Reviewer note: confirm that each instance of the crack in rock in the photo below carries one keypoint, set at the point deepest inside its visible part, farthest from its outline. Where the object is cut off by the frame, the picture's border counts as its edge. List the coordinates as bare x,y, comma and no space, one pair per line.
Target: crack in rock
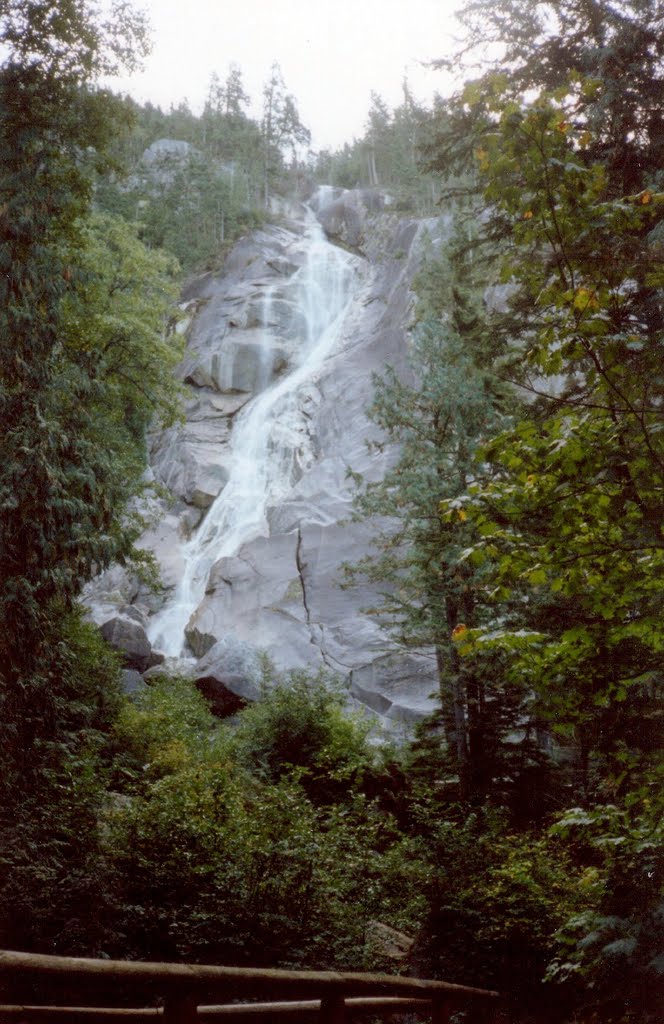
307,612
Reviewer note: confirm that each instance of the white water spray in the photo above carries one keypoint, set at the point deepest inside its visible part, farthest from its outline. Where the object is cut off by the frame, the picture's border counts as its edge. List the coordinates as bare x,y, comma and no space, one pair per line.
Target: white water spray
266,435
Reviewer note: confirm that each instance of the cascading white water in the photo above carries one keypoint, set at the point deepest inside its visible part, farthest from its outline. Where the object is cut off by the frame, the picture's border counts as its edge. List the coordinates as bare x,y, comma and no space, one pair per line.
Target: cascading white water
266,435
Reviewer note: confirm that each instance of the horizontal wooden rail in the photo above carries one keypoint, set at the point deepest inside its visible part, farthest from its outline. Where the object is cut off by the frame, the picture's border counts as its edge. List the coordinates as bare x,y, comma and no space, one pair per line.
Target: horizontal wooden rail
199,979
327,996
235,1011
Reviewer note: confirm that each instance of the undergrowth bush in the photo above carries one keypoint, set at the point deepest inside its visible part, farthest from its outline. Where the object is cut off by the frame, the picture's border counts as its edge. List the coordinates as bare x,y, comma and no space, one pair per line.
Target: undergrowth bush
254,843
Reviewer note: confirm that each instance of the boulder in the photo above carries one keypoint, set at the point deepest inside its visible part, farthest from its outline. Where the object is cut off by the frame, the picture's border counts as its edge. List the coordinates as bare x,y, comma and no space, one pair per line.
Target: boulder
257,596
164,158
248,362
388,942
229,676
198,640
400,687
107,593
132,682
192,462
128,637
166,149
135,612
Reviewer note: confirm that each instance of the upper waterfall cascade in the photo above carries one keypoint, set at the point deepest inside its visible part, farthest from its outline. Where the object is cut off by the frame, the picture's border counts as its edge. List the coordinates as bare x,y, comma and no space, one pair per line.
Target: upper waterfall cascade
269,445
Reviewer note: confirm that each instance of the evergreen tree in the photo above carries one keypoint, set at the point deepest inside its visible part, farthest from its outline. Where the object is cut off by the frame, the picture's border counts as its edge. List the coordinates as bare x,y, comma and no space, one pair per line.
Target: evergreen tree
378,123
388,156
580,336
585,465
281,128
53,132
605,58
76,335
433,594
226,129
569,512
236,99
604,61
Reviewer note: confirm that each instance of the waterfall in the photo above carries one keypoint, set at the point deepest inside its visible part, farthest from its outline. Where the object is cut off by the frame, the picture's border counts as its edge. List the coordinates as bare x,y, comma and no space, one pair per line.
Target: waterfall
267,436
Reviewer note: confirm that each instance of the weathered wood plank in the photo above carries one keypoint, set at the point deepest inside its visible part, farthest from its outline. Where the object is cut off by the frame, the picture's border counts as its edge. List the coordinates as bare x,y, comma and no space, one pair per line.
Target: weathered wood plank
77,1014
378,1005
162,978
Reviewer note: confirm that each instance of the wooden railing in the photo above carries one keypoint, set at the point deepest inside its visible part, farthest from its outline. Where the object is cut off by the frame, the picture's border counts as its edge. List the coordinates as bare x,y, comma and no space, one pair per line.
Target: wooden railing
188,993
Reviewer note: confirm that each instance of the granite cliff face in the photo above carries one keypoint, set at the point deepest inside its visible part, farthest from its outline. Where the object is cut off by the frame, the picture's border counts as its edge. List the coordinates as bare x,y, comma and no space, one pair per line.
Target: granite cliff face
281,348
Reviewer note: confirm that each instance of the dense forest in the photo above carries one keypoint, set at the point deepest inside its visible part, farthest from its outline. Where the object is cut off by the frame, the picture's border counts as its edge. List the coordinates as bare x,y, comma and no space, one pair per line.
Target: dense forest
518,836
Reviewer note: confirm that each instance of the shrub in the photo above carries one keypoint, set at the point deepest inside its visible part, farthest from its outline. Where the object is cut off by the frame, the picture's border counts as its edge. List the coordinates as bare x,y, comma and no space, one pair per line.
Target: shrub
302,725
163,729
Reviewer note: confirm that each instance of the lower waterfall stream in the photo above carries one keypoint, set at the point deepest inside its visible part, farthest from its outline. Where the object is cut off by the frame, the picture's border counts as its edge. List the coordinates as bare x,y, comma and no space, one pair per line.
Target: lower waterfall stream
267,433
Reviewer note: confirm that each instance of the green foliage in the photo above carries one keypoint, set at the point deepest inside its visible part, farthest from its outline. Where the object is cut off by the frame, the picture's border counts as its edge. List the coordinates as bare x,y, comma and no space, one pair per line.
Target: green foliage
197,206
619,933
571,514
433,586
387,156
212,210
51,790
59,506
197,214
163,729
281,130
524,539
565,511
76,329
496,898
301,727
210,867
602,62
72,41
108,373
116,323
228,846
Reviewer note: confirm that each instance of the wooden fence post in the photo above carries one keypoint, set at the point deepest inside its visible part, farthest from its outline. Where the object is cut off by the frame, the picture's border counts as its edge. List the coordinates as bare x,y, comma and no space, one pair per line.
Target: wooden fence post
332,1010
180,1009
441,1010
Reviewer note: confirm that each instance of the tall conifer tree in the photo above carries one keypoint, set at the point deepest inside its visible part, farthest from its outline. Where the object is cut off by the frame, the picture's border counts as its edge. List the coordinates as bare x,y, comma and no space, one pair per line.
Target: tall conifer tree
64,481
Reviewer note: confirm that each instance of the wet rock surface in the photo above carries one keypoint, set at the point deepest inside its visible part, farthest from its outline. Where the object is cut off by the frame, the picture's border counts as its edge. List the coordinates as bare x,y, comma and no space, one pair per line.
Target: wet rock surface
281,591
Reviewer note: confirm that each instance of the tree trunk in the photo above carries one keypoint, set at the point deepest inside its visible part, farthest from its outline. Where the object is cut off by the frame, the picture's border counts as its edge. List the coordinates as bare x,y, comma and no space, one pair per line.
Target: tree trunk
453,699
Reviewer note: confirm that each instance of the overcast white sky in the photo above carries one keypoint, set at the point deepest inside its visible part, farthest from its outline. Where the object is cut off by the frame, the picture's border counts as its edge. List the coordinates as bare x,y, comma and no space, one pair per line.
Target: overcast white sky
332,54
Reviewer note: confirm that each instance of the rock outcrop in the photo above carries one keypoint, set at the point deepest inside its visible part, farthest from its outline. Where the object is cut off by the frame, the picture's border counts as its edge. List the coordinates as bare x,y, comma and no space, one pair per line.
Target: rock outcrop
280,591
344,214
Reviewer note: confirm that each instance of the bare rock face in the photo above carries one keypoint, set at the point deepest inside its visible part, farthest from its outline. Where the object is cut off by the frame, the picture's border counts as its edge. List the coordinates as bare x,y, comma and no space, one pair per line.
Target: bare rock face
164,158
112,590
280,590
284,591
244,327
399,687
